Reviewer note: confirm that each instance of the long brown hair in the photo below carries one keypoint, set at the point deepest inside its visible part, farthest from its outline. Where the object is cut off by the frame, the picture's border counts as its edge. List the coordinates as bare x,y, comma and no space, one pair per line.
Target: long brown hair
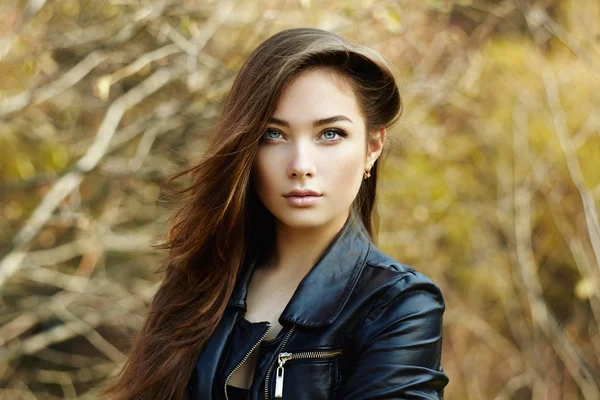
219,223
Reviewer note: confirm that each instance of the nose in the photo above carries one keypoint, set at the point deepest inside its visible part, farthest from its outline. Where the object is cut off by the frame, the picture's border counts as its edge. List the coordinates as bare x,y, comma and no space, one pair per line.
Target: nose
301,163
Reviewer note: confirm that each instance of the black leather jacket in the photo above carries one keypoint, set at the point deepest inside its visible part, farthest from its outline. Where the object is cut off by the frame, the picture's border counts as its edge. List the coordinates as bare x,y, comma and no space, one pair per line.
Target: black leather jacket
359,326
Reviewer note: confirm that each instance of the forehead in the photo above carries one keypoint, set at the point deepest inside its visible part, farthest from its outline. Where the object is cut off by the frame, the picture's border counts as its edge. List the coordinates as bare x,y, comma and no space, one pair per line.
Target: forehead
317,93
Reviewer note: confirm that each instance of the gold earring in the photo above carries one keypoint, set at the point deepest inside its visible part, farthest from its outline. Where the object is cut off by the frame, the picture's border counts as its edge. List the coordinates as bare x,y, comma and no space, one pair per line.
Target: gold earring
367,173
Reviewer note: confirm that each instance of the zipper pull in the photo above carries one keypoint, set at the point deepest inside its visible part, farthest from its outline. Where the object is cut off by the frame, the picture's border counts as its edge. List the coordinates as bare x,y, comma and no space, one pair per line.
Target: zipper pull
283,357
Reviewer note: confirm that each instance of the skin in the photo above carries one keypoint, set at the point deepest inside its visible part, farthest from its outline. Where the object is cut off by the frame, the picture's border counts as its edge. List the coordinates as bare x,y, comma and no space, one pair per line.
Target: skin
294,154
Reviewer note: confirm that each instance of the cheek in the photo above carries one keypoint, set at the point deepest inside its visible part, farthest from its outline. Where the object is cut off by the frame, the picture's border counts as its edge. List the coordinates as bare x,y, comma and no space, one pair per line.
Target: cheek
345,173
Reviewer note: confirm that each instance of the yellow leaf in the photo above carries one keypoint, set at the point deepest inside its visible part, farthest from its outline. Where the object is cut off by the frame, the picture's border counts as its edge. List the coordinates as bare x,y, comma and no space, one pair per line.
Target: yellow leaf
102,87
585,288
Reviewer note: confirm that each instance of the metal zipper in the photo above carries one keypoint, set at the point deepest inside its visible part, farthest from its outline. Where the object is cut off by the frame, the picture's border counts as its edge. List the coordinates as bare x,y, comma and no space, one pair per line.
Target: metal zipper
285,339
245,358
284,357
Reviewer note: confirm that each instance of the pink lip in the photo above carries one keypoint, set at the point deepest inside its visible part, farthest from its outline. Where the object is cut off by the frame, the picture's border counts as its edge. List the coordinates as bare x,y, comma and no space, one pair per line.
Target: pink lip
302,198
302,192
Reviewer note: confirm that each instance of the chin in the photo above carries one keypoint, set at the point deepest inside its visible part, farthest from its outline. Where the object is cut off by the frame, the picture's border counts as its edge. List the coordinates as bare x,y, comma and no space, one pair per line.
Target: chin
309,218
302,218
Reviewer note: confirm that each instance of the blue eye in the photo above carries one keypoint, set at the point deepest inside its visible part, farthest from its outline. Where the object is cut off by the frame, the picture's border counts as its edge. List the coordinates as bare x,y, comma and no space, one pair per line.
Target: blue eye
268,134
330,134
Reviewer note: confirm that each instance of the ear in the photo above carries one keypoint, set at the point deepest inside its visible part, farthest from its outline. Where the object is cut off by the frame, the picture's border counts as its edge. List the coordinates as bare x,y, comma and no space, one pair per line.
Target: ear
375,146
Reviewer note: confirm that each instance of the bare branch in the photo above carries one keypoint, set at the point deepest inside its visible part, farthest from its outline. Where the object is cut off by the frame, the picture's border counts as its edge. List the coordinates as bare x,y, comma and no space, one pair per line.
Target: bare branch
61,333
69,182
560,125
540,313
110,351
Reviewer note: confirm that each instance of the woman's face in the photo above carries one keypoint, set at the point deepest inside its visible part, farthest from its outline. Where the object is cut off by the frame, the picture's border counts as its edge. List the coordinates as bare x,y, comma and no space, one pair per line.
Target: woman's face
316,141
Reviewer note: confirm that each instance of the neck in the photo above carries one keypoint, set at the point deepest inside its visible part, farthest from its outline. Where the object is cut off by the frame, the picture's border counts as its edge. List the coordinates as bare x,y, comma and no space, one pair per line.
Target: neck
296,251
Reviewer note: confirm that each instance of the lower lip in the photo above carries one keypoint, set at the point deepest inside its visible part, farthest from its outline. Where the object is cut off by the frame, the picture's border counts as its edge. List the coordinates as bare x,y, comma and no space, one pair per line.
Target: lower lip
302,201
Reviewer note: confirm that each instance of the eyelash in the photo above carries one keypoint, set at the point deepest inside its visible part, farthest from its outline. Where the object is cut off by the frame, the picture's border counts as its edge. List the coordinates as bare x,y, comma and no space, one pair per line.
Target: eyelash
340,133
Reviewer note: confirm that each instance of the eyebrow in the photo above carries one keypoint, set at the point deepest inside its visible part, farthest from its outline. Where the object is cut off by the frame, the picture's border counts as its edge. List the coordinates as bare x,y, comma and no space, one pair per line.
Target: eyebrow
318,122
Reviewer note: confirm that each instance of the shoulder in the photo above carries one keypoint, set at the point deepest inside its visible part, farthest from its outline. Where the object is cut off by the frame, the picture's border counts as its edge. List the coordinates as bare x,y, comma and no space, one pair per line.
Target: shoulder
393,291
390,279
398,302
399,333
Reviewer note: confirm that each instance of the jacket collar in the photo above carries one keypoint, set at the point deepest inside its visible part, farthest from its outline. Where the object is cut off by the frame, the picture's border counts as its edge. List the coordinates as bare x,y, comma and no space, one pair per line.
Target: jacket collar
324,291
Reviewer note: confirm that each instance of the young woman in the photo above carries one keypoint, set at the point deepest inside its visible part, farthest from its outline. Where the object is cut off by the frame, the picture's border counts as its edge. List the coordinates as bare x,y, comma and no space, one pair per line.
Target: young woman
274,288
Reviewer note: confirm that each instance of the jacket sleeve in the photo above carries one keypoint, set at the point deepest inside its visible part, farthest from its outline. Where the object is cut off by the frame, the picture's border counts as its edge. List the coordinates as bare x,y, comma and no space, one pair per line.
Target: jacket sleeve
399,344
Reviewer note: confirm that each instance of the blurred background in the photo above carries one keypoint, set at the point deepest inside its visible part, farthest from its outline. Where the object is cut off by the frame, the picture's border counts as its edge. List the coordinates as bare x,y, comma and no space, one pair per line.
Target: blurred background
491,182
